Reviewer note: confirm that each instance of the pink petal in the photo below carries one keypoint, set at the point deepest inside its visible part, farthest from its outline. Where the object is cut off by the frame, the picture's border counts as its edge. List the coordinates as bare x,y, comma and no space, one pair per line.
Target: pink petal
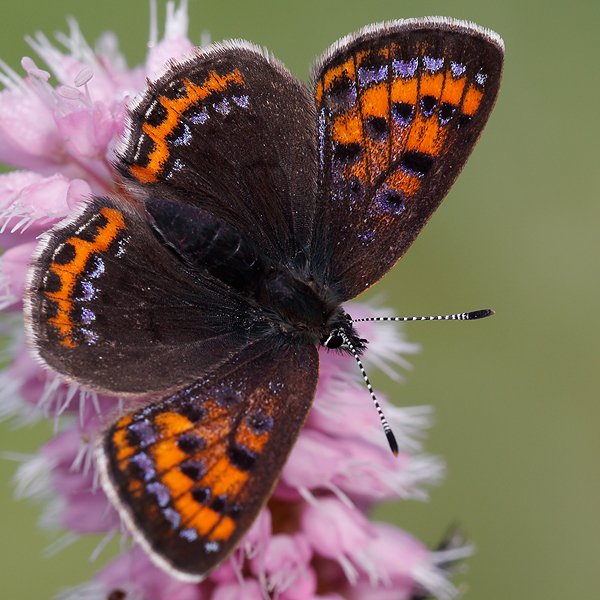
89,513
105,125
313,462
41,202
249,589
226,573
101,87
397,556
13,271
396,551
83,508
253,544
334,529
28,373
79,191
344,410
303,588
46,198
166,50
357,467
89,132
285,563
29,137
400,590
12,183
78,129
284,552
63,448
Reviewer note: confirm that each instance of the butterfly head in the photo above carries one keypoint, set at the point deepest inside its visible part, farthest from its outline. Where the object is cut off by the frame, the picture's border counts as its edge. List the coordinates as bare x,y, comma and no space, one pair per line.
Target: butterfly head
341,334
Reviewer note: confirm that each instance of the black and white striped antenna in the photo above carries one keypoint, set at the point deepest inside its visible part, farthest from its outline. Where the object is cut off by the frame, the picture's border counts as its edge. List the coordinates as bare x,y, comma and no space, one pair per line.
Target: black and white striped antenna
466,316
389,434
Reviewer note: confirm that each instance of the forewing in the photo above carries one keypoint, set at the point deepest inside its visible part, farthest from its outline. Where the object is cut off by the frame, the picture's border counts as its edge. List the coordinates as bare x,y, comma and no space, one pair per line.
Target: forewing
109,306
190,474
230,131
400,107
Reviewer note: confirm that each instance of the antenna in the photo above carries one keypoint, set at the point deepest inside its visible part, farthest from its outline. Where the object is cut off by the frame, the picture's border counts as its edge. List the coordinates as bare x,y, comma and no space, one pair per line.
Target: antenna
389,434
466,316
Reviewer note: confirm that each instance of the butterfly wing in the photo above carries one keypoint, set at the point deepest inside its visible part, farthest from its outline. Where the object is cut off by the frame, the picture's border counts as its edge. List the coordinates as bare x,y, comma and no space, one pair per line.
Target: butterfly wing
400,107
190,474
230,131
110,306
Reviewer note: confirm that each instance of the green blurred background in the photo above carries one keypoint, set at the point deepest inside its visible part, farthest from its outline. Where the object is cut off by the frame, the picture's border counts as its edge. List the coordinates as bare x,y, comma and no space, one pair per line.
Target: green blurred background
516,396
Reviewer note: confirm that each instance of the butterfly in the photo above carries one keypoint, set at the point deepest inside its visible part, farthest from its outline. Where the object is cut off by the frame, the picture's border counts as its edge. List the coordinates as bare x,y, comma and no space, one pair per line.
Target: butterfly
250,208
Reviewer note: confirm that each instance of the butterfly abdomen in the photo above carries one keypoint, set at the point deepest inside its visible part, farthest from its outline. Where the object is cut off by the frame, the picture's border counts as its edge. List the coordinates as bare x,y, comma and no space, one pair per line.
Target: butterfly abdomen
207,243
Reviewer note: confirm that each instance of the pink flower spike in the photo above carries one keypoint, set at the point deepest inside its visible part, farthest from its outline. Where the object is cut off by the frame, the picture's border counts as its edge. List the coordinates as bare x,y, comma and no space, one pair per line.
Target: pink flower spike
258,536
78,506
13,183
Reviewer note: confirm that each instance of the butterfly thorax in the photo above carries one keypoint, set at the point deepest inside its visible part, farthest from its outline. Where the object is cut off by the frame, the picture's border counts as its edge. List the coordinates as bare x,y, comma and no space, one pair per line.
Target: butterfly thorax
300,307
289,301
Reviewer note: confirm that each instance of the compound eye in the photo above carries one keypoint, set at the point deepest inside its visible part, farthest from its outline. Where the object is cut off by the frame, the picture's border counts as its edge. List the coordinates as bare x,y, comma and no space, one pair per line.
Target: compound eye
333,340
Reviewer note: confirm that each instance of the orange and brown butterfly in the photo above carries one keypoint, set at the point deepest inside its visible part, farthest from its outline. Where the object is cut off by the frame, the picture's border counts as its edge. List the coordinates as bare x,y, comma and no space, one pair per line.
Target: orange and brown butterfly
253,208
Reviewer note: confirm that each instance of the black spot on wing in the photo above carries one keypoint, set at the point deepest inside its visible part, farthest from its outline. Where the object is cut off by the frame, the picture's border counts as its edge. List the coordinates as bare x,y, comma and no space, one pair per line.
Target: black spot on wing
141,433
193,412
64,255
377,128
201,495
190,443
241,457
428,104
193,469
416,162
52,282
347,152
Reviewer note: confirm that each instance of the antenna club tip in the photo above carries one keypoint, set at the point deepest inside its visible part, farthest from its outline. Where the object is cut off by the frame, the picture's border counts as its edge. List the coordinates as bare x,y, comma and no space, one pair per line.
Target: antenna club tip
480,314
392,442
